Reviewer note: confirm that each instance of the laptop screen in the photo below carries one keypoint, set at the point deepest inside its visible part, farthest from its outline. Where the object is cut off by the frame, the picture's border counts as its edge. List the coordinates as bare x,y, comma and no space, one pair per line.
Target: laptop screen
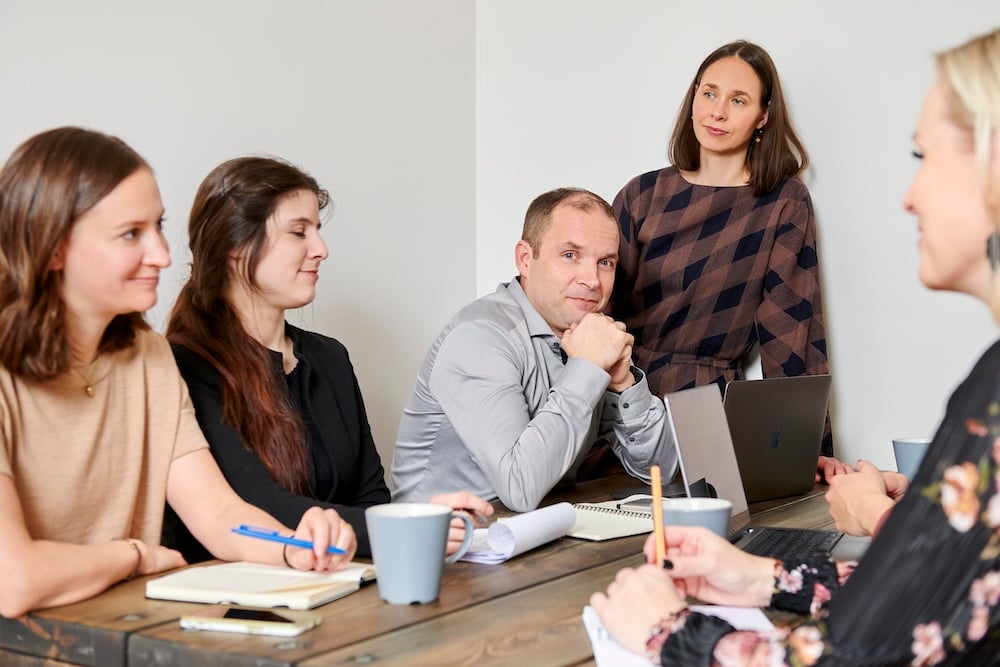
776,427
705,449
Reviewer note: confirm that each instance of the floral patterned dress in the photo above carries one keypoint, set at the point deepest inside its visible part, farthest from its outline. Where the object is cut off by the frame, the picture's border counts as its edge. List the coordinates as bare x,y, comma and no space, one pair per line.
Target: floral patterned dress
927,592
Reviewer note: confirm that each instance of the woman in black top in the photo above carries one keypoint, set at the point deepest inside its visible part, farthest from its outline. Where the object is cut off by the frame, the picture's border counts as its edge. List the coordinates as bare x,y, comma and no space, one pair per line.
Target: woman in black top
280,406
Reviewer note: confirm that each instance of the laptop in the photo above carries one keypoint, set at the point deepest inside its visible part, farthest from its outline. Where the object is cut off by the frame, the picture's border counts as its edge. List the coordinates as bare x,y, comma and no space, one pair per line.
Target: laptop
705,449
777,429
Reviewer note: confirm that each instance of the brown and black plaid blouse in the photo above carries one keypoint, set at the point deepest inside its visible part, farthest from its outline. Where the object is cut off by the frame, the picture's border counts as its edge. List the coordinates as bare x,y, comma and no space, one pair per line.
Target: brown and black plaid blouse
705,272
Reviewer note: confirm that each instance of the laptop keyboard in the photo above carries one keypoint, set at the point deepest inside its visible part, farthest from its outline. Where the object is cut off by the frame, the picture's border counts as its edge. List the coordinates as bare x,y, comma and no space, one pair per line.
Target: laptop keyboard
787,543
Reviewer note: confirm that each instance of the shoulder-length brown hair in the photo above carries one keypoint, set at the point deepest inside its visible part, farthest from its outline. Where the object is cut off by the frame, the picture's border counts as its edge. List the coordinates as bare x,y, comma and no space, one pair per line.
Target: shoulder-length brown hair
229,216
780,152
47,184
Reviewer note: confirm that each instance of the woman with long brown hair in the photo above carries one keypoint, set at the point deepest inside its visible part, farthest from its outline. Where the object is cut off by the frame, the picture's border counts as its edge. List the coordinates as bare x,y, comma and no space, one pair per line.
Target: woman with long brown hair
718,250
280,406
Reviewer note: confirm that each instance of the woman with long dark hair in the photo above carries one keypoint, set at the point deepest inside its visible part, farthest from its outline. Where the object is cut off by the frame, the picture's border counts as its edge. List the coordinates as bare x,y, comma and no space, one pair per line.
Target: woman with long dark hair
718,251
280,406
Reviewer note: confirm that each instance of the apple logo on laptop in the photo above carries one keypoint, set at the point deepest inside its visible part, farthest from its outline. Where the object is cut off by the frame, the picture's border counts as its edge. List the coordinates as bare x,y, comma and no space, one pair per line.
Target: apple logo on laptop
774,439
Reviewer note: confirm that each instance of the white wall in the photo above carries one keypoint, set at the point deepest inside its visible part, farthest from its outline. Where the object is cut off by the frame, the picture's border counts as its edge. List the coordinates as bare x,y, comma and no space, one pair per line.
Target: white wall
374,97
584,93
435,122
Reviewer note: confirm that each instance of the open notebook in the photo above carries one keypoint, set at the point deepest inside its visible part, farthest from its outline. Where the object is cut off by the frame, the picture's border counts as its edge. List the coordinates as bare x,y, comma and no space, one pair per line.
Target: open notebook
255,585
606,521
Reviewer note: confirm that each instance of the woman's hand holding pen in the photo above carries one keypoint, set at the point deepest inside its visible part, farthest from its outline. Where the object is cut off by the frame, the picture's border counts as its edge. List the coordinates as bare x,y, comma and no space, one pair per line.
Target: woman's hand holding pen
709,568
322,527
463,501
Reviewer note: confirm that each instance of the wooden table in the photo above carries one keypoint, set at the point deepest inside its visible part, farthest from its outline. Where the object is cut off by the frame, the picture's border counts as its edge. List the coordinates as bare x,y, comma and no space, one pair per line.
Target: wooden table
523,612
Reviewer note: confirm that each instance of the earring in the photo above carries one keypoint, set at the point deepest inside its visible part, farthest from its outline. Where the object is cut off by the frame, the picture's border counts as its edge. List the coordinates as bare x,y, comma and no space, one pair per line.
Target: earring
758,133
993,251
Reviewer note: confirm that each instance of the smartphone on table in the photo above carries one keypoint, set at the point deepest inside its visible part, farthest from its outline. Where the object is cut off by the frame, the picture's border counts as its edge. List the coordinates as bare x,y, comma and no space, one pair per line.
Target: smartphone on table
251,621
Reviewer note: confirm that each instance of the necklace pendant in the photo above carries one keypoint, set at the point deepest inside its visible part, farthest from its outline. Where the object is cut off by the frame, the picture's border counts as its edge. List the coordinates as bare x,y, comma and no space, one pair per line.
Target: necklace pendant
89,390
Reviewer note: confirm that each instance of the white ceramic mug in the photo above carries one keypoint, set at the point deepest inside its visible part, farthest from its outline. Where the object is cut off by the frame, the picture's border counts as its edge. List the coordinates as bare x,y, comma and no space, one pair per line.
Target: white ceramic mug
408,542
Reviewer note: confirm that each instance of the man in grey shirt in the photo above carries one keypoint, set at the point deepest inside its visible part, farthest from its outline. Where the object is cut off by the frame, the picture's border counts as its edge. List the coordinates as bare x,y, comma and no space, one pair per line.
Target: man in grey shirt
519,386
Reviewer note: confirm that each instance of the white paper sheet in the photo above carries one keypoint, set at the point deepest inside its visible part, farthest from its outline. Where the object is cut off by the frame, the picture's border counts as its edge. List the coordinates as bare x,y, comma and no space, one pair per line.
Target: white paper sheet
514,535
609,653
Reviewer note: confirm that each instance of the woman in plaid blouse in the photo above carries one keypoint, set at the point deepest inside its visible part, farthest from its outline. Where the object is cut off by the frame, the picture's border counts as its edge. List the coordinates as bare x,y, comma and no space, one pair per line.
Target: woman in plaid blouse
718,251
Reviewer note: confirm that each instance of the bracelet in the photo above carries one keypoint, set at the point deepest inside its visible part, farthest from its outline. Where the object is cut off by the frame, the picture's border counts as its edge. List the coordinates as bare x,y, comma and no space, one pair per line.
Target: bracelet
138,557
660,632
284,556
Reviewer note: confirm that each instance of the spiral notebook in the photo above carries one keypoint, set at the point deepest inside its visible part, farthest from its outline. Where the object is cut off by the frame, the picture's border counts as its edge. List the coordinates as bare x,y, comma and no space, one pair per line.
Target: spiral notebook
605,521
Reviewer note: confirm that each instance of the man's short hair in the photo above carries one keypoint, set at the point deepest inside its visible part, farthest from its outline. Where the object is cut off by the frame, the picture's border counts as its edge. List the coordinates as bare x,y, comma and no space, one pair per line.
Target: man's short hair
539,215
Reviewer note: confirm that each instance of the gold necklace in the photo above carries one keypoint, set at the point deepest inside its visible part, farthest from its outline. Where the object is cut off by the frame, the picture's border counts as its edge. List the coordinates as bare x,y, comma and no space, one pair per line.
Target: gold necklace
88,382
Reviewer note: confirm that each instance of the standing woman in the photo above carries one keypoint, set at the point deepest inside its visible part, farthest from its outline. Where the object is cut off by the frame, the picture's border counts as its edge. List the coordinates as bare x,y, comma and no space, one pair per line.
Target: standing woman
97,431
280,406
718,251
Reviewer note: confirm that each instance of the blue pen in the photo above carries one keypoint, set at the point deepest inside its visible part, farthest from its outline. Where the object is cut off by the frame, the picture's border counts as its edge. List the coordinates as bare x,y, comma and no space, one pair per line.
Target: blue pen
275,536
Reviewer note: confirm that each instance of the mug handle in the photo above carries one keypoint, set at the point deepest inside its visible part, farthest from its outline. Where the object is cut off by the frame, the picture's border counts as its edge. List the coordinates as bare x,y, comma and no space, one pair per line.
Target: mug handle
470,529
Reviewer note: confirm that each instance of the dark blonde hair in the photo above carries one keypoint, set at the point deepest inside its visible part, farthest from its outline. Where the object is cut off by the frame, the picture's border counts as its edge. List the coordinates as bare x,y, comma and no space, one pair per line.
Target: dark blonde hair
229,215
538,218
780,152
50,181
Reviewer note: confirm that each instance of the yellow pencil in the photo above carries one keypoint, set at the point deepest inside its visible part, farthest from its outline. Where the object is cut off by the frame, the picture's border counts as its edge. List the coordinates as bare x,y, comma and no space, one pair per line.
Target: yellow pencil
657,489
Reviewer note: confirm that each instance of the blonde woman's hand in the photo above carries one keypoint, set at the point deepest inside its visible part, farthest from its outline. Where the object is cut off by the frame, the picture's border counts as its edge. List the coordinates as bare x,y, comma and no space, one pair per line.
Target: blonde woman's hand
858,501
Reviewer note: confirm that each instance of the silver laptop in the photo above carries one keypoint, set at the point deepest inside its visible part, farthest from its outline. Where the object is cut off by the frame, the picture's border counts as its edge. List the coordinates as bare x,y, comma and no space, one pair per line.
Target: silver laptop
777,429
705,449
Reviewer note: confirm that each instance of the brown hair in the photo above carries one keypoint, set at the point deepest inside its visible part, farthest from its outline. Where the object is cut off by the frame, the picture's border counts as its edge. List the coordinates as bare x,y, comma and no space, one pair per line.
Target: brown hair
539,214
780,152
229,215
47,184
